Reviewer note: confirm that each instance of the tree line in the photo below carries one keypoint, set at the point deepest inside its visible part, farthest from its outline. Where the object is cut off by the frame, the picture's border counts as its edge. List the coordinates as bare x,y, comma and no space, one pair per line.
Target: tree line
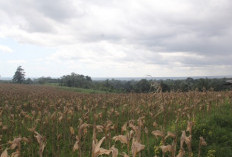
139,86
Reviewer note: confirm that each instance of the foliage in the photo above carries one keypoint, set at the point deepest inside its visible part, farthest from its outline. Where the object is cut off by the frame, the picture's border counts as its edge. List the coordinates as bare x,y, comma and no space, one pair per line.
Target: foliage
19,76
44,80
76,80
217,130
74,89
28,81
138,86
144,86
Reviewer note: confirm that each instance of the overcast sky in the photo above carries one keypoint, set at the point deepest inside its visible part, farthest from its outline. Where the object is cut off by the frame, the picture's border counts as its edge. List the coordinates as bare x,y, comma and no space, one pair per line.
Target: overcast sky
116,38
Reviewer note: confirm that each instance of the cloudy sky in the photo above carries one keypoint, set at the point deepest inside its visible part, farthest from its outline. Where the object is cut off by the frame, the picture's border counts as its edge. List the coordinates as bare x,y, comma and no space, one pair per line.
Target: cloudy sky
116,38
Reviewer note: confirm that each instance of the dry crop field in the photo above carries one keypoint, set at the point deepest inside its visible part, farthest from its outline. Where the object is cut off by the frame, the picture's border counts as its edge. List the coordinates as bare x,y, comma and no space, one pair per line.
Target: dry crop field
45,121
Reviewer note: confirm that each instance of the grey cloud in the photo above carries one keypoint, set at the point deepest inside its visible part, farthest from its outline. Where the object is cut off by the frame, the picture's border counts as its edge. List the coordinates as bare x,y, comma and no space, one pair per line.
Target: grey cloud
206,29
59,10
143,28
38,24
23,15
40,16
208,61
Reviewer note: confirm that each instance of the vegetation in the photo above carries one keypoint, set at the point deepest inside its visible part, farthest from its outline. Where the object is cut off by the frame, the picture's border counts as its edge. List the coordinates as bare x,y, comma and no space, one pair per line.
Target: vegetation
140,86
74,89
43,121
76,80
19,76
216,129
45,80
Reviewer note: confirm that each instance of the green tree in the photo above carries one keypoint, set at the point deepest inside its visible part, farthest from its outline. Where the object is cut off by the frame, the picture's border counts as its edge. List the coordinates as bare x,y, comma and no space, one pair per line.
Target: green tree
142,86
19,76
76,80
28,81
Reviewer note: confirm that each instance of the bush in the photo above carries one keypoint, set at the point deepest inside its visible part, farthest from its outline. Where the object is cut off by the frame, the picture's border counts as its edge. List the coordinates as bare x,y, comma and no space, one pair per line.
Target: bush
217,131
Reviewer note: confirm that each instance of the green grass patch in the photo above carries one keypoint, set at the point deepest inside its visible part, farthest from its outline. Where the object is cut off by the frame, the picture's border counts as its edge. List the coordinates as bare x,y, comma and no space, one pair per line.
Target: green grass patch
75,89
216,128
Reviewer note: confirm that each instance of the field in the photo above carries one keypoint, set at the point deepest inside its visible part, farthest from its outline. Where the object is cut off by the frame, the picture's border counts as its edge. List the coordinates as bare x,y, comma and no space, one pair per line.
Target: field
44,121
74,89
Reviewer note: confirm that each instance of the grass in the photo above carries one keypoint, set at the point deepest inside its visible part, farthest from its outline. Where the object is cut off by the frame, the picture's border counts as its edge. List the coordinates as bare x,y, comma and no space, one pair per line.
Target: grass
75,89
217,130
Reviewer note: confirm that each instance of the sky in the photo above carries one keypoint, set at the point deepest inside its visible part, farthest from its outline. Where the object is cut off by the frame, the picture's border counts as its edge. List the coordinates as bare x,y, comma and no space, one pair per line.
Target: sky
116,38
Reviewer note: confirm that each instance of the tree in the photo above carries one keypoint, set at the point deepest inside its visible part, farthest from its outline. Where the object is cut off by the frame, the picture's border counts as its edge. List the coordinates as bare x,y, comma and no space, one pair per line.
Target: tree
164,87
19,76
142,86
28,81
76,80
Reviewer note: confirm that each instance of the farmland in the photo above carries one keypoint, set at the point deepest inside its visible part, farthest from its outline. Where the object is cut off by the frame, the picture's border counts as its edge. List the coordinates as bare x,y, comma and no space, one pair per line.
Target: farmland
44,121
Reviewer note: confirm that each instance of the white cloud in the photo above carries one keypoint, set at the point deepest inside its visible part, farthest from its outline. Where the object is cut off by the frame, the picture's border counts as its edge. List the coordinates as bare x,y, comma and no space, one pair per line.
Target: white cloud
6,49
16,61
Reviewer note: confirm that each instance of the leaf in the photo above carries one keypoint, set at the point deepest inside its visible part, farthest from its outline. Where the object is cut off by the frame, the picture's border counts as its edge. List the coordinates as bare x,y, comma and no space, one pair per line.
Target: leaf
71,130
76,145
114,151
136,147
190,126
124,154
155,124
124,127
170,134
97,150
181,153
15,154
41,142
122,138
15,143
5,153
99,128
158,133
167,148
202,142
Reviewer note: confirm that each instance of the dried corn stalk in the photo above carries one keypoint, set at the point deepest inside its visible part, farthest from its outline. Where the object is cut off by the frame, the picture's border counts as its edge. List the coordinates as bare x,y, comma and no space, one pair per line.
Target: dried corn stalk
42,143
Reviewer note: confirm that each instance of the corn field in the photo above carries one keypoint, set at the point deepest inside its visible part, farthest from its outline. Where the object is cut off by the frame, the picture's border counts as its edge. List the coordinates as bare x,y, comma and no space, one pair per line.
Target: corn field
44,121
